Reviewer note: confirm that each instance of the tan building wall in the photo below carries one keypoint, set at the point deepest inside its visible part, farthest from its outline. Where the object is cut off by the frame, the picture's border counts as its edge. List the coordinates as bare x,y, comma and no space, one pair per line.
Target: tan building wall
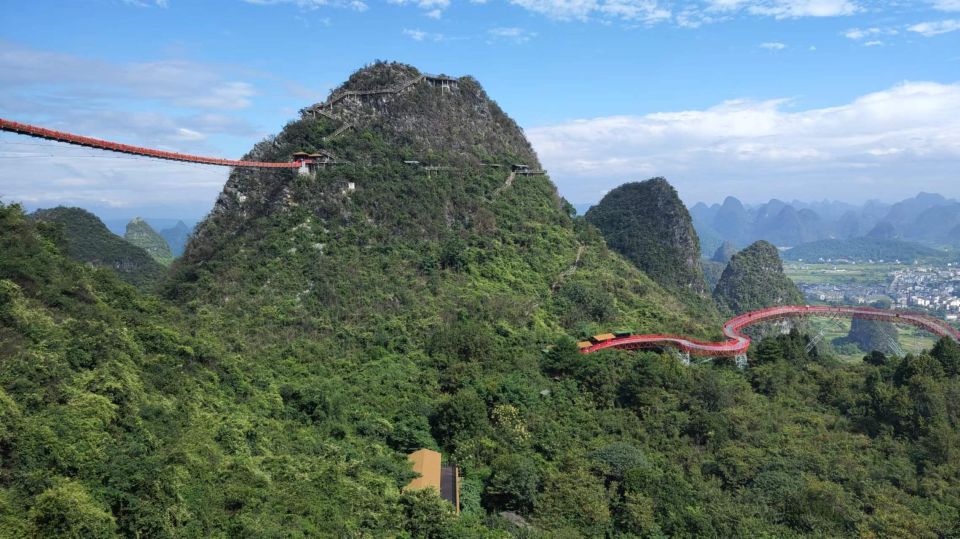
426,463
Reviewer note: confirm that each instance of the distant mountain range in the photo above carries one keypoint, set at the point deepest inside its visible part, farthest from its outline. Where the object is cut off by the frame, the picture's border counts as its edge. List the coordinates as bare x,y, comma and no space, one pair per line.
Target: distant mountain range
926,218
174,230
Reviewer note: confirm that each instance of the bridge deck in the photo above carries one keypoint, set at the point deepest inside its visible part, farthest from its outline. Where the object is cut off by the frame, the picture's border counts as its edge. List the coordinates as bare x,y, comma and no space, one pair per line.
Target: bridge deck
60,136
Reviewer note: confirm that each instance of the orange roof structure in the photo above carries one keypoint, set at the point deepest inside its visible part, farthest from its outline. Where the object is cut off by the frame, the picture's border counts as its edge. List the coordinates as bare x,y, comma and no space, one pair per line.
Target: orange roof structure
444,480
426,463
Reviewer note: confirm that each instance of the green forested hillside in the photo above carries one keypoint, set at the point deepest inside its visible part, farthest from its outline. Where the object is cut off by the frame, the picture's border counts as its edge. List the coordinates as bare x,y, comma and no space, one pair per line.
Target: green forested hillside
712,271
88,240
754,279
313,334
648,224
118,420
141,234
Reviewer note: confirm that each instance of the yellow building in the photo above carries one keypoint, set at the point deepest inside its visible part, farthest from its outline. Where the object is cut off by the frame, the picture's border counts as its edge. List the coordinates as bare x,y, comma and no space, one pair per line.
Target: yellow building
445,480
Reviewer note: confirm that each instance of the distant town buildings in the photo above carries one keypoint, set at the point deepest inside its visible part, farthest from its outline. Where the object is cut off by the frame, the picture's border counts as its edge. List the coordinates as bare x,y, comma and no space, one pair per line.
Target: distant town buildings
923,288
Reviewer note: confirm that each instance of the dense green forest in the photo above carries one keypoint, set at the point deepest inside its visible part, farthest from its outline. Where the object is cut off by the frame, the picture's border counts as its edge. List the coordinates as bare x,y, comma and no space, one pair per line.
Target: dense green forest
754,279
862,249
116,418
315,332
88,240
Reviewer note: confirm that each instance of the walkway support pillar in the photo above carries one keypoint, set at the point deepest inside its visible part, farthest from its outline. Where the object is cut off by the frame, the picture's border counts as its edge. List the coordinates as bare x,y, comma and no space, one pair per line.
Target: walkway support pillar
741,361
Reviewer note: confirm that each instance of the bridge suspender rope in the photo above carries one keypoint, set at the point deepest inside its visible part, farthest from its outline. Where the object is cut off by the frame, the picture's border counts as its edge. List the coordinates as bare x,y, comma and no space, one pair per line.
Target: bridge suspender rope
50,134
737,343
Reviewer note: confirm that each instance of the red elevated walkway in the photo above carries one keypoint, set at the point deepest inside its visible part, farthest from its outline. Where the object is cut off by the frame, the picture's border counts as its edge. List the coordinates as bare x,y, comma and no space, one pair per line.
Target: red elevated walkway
737,344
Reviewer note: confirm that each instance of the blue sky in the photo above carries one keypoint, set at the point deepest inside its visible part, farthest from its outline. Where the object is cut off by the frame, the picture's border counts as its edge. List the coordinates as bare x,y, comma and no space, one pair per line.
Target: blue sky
808,99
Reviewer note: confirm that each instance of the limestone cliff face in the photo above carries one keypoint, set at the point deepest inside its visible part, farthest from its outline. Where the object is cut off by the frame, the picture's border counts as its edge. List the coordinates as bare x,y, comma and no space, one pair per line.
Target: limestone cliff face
648,224
754,279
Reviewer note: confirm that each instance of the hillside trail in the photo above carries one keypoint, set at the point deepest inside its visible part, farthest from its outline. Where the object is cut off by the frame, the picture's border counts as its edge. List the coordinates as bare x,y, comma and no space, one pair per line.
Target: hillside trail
505,185
569,271
560,278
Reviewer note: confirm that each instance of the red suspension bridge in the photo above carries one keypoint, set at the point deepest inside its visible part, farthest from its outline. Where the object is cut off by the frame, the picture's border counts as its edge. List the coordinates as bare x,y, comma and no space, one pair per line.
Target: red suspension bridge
737,343
78,140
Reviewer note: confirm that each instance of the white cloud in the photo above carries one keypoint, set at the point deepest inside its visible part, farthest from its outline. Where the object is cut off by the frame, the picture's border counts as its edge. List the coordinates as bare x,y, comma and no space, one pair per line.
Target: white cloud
116,101
178,82
765,148
933,28
432,8
858,34
356,5
647,11
874,43
144,3
48,174
773,46
688,14
420,35
189,135
785,9
946,5
514,34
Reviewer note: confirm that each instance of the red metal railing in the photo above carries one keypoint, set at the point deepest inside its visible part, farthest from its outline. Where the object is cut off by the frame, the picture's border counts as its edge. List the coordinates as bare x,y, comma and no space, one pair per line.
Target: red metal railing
738,343
50,134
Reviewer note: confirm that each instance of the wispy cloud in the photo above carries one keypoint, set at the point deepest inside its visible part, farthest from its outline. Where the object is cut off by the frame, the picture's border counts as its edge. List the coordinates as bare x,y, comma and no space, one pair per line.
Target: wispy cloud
946,5
420,35
146,3
178,82
432,8
858,34
773,46
357,5
786,9
648,11
911,129
934,28
514,34
690,14
118,100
